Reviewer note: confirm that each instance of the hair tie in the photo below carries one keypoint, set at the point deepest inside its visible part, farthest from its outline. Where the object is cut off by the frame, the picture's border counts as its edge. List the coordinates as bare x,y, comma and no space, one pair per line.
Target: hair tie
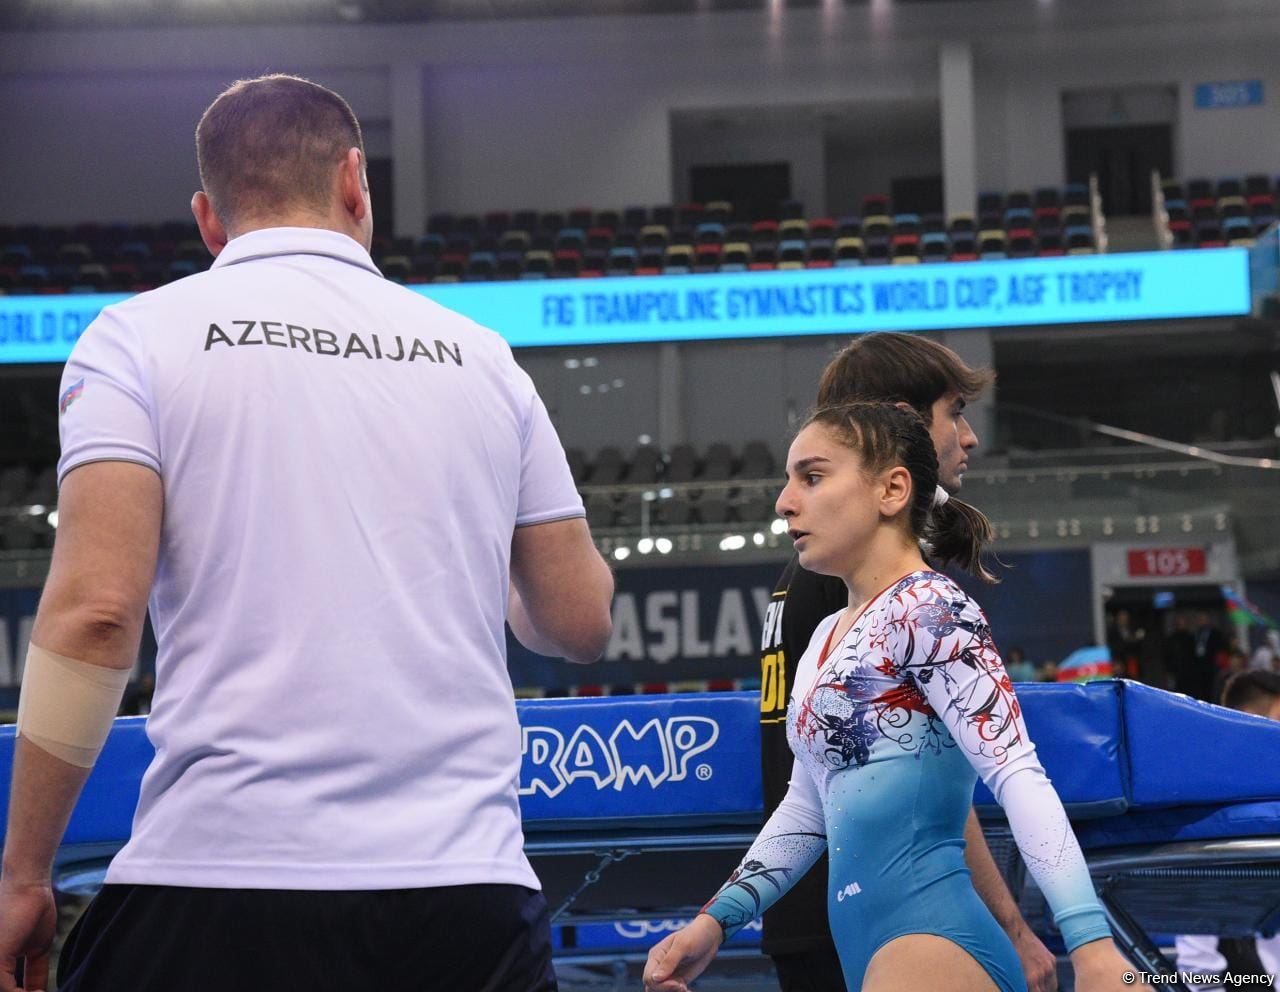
940,496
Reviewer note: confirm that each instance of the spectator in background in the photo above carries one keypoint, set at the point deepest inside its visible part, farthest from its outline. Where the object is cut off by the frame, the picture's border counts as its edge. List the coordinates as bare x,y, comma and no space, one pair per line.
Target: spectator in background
1180,656
1212,658
1019,669
1256,692
1125,643
1265,657
1233,662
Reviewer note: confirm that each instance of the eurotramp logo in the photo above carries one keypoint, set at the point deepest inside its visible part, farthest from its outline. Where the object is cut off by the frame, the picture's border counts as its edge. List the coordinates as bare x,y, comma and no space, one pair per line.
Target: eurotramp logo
659,751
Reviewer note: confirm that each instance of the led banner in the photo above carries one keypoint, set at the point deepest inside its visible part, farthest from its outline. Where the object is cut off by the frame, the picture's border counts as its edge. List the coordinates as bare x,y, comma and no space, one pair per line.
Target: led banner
1072,290
1077,289
36,329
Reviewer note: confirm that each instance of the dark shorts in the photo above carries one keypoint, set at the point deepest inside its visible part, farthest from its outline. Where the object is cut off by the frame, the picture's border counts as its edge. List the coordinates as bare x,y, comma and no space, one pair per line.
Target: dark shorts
470,938
810,971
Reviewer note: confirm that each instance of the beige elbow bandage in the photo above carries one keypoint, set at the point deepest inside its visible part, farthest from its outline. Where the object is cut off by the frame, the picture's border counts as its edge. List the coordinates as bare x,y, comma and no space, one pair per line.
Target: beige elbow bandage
66,707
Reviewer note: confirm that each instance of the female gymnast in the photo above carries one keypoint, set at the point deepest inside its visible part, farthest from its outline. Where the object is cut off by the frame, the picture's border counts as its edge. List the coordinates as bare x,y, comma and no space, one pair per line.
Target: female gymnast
899,703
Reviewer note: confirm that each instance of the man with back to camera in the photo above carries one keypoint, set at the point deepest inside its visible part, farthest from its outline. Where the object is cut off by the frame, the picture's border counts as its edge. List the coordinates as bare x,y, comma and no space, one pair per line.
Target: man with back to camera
935,382
325,484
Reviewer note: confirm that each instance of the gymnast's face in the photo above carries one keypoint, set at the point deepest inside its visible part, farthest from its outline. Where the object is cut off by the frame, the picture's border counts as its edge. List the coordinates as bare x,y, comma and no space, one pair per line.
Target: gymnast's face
832,505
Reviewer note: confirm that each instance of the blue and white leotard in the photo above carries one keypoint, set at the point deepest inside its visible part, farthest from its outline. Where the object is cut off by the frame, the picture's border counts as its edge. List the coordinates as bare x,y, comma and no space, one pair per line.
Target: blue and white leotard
891,725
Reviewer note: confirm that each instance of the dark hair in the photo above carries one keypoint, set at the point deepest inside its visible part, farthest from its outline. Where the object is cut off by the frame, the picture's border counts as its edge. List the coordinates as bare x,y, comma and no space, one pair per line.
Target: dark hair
1250,688
887,435
271,144
899,368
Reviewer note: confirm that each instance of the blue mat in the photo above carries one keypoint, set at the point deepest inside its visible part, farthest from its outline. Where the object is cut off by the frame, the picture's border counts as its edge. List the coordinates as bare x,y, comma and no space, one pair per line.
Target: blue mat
1119,753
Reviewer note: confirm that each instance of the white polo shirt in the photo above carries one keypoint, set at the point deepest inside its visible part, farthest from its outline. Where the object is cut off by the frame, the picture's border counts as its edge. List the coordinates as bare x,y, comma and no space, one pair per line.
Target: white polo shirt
344,463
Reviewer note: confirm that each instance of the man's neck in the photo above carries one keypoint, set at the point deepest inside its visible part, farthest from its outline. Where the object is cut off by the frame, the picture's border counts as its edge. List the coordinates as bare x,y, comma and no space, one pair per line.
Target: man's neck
293,220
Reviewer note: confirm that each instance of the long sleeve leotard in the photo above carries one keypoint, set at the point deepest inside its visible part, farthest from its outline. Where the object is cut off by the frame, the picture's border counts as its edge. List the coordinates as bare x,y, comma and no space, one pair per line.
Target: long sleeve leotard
891,725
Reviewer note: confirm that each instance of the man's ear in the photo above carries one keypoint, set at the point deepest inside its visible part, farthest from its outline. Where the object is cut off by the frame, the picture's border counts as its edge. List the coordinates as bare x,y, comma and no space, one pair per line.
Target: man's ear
895,491
354,184
211,229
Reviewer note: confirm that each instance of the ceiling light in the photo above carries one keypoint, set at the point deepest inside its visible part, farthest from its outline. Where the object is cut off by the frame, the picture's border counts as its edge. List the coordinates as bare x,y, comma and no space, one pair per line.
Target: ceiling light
350,12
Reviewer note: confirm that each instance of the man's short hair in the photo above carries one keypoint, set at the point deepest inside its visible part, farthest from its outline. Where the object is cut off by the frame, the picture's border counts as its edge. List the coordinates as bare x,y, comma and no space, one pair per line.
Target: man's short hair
1251,689
271,144
899,368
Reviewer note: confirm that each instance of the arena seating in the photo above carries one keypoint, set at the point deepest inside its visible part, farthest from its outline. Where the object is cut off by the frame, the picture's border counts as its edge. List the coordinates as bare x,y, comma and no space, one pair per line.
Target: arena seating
94,258
583,243
715,237
1203,213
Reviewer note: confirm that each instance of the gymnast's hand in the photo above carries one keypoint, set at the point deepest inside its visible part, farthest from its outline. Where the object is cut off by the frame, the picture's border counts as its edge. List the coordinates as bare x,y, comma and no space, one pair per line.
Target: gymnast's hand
678,959
27,921
1100,967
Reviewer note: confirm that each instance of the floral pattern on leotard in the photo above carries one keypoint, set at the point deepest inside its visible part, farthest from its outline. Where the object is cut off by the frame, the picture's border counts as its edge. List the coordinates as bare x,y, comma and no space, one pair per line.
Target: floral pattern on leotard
871,686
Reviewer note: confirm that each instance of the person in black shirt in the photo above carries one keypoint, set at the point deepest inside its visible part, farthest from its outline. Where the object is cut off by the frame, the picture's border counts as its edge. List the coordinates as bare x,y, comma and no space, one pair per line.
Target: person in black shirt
934,381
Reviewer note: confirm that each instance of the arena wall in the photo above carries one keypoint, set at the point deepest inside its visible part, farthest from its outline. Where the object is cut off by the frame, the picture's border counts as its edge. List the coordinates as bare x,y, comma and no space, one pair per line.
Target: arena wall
557,112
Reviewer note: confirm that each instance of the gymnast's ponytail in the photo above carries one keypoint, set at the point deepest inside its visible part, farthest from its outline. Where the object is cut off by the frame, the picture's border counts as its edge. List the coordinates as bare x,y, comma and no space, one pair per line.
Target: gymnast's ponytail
957,532
888,434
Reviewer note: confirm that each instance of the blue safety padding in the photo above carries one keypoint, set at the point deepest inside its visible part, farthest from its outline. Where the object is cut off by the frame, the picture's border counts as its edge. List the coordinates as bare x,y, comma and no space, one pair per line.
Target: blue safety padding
1163,826
1183,751
590,762
105,810
1077,730
674,761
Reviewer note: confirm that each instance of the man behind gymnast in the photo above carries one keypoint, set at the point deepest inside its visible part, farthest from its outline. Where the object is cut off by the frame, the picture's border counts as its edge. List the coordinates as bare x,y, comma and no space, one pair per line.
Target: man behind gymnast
322,485
936,383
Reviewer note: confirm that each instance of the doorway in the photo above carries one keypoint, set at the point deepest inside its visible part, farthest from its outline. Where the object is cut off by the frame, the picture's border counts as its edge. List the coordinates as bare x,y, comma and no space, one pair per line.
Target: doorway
755,189
1152,634
1122,156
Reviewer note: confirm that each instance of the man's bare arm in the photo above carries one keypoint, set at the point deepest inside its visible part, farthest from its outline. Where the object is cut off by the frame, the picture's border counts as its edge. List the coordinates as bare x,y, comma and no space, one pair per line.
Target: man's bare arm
92,610
1037,960
562,591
